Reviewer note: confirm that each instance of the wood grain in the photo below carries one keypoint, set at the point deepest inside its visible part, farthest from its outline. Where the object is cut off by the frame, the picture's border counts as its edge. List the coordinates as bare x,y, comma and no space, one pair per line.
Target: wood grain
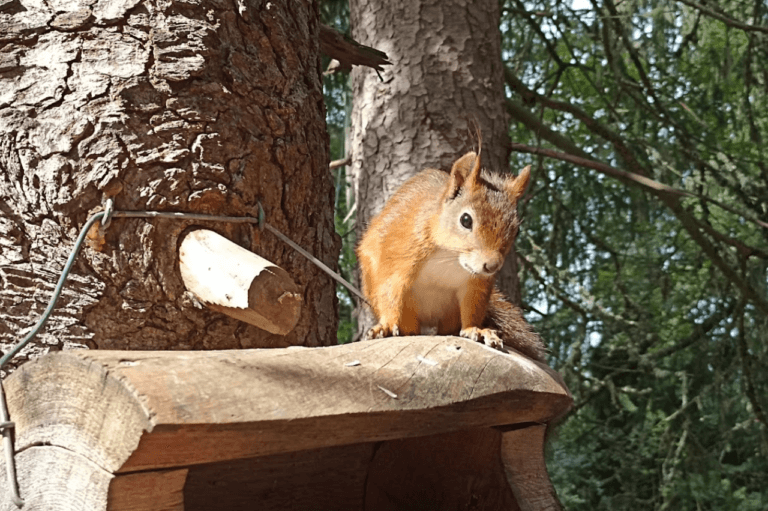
229,416
236,282
522,453
55,479
130,411
451,471
160,490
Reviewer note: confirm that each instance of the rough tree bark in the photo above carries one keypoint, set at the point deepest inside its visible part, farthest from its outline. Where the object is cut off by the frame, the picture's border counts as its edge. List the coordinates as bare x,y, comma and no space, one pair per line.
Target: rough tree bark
446,77
182,105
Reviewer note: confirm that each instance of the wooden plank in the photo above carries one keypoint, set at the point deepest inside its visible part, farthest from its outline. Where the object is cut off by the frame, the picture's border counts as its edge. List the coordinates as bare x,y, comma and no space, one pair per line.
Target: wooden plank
234,281
451,471
131,411
522,453
321,479
161,490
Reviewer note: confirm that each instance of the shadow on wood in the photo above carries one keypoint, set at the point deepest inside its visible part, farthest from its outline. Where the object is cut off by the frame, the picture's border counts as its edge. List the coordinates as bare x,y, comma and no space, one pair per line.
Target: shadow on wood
401,423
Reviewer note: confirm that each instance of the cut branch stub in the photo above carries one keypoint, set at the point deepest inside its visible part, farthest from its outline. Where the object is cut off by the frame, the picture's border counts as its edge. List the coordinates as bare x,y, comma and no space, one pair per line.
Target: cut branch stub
349,52
232,280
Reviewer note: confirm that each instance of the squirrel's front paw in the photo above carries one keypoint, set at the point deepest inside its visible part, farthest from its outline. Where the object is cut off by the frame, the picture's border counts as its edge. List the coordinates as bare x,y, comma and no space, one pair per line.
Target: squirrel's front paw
490,337
380,331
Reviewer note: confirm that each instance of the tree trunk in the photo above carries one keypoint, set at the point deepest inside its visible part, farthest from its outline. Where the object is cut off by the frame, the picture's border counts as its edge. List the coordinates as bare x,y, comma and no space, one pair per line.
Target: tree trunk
171,105
446,79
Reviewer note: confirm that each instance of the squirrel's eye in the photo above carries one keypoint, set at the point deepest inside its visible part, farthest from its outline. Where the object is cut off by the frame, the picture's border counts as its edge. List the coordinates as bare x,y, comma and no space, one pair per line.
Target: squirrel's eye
466,221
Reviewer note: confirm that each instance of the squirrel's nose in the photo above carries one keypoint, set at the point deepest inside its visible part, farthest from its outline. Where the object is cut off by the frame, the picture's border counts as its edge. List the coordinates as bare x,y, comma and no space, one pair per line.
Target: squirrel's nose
491,267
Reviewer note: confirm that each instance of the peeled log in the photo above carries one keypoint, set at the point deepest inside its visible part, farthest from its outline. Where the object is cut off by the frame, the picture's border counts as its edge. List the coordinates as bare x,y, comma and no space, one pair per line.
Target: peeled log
234,281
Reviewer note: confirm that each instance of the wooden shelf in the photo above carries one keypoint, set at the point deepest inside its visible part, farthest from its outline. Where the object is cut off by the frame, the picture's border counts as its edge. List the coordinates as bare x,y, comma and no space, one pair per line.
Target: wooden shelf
294,428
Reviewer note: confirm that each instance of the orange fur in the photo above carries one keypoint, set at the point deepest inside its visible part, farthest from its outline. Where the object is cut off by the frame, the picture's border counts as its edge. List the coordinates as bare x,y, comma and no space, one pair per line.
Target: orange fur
429,258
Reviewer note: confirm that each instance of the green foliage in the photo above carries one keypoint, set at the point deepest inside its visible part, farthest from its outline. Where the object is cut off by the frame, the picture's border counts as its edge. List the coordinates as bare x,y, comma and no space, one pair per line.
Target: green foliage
338,104
654,309
664,353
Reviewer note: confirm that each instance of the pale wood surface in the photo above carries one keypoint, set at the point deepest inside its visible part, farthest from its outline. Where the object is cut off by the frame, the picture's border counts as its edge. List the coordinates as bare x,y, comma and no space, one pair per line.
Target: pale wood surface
55,479
66,400
235,281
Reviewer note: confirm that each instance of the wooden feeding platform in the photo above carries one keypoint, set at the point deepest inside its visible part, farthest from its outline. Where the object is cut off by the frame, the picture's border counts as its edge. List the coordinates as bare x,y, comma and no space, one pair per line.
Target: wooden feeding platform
402,423
406,423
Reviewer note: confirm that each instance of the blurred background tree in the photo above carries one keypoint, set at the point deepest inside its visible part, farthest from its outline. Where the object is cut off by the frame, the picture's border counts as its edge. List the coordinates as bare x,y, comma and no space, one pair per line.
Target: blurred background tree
643,252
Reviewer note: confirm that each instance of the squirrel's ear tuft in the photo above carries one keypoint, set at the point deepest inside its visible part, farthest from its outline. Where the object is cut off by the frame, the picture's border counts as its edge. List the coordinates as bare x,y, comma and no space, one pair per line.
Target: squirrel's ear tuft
465,171
516,186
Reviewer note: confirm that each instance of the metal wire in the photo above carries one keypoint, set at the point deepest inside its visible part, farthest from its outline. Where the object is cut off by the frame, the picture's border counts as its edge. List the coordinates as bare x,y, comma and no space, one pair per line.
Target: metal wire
317,262
10,466
106,217
245,219
56,292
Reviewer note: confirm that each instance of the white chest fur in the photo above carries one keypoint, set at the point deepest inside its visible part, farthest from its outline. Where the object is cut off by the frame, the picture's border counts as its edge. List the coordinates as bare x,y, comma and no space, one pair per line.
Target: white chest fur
438,287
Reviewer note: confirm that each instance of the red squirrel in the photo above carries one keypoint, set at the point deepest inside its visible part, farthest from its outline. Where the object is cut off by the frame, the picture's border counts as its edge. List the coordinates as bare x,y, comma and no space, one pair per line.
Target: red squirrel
430,257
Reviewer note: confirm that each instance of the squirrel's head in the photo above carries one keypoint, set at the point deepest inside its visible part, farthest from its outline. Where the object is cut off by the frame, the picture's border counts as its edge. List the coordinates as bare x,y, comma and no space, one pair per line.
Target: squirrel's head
479,215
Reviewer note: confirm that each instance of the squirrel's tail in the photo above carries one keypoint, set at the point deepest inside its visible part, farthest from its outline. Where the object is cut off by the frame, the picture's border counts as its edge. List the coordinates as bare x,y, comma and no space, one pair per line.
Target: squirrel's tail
513,330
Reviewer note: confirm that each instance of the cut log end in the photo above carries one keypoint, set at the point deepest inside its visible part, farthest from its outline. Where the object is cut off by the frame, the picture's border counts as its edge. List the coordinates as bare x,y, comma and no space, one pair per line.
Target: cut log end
234,281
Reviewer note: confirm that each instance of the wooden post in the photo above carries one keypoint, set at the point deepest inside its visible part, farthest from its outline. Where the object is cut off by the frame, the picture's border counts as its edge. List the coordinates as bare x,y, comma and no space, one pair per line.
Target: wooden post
230,279
294,428
522,453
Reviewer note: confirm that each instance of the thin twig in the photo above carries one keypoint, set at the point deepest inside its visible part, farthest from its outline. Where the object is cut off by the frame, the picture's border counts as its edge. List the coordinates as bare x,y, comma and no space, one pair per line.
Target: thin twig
728,21
641,181
746,362
670,197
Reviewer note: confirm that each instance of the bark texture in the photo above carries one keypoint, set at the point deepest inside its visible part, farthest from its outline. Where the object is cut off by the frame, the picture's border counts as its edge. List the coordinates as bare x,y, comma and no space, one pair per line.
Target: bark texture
182,105
446,78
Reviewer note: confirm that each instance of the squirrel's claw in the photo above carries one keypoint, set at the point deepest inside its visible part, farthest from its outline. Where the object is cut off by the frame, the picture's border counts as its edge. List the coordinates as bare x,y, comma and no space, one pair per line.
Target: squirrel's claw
473,333
375,332
380,331
490,337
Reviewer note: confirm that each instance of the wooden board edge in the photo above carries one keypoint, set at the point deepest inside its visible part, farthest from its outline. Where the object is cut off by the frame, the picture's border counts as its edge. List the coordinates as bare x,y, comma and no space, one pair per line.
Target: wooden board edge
158,490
